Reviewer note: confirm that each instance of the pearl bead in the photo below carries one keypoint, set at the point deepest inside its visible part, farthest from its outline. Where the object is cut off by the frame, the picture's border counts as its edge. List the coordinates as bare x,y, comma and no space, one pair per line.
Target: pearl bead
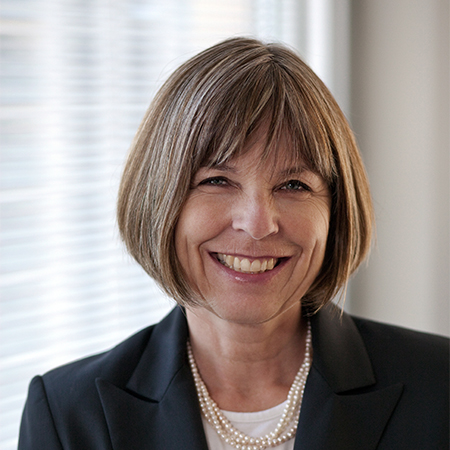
240,441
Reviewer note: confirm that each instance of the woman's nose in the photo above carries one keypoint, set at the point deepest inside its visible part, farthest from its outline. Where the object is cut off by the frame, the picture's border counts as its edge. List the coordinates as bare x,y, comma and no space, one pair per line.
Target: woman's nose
256,215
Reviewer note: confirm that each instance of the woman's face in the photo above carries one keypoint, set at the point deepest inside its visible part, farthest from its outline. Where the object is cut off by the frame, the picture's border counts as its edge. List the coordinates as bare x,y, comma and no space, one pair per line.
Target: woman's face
251,237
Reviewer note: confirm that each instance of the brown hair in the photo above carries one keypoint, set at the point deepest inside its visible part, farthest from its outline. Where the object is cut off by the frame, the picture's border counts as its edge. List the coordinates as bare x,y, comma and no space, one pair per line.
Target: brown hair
204,114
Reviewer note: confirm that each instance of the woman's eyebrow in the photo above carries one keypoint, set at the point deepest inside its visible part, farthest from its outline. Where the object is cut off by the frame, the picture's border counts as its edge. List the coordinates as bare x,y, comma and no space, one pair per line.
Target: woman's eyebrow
225,167
222,167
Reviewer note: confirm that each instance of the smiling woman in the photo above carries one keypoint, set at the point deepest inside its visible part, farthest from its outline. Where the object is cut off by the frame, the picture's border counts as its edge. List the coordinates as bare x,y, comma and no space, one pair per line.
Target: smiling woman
250,238
217,103
244,196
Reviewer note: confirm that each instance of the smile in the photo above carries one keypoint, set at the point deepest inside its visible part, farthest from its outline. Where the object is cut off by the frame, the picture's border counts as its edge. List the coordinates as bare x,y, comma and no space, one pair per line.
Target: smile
244,265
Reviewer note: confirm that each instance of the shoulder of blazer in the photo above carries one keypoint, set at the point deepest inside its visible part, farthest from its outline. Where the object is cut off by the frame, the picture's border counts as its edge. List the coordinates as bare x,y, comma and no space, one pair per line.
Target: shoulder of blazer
419,360
406,344
116,365
373,386
389,353
71,391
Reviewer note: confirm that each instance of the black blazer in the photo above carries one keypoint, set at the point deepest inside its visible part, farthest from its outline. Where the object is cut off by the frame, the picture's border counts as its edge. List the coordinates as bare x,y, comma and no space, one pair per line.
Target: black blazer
371,386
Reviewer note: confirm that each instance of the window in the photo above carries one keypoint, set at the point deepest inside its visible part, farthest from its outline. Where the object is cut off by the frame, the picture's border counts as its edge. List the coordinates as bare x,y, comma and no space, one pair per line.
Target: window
76,77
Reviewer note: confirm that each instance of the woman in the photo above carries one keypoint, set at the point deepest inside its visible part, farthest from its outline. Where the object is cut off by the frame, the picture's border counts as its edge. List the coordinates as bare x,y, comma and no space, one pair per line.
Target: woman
245,198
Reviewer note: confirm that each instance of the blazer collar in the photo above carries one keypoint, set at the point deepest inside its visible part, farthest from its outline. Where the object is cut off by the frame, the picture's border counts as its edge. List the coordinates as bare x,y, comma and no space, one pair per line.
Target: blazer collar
342,407
158,409
340,355
165,354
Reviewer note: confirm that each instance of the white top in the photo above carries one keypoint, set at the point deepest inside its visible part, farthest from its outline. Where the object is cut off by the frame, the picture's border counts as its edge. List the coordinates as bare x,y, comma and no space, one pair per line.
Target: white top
254,424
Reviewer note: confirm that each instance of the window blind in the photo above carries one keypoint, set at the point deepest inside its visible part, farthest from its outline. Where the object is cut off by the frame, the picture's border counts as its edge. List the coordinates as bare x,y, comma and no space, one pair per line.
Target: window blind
76,77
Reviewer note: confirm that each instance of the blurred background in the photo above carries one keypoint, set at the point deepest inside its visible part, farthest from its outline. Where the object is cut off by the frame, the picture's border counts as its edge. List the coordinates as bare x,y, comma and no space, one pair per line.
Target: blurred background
76,77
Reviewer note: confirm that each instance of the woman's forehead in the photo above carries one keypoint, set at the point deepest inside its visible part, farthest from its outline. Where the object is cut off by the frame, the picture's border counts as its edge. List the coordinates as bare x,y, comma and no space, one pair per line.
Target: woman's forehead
280,161
276,145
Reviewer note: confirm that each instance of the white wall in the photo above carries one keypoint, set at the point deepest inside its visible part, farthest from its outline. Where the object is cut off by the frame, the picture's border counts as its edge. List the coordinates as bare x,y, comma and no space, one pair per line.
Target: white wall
400,113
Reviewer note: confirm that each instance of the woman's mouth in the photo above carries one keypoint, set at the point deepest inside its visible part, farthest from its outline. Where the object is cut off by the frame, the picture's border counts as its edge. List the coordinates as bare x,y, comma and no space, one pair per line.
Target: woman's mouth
245,265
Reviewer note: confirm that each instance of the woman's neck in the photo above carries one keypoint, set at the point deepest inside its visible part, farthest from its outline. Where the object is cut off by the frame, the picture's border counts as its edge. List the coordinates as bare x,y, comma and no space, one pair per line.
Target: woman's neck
247,367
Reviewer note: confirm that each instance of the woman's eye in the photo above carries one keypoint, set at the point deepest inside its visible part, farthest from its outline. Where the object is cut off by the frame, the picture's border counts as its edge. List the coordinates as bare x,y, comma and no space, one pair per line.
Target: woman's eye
214,181
295,185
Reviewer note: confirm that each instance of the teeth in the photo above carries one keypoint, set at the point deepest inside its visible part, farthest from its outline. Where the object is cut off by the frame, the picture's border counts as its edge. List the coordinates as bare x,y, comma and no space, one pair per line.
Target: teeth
245,266
229,260
255,266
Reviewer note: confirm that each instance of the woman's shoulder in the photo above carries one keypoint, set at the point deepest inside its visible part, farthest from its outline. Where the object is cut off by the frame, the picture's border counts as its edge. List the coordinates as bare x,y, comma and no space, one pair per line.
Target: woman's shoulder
395,337
69,399
401,352
63,404
392,353
115,365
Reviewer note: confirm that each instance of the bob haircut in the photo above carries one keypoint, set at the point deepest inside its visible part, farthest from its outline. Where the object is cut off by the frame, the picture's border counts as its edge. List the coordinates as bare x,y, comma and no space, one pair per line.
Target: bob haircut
203,115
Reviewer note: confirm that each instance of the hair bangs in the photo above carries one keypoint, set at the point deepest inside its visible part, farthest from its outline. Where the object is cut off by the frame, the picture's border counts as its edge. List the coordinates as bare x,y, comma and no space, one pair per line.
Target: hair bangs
259,97
229,115
288,124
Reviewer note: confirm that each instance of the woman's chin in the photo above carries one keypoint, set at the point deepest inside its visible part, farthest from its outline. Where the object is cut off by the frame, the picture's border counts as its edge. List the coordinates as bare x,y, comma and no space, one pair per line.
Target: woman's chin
247,312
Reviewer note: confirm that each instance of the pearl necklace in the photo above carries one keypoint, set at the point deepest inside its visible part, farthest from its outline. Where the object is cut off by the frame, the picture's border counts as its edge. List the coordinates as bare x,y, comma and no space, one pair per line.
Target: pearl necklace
239,440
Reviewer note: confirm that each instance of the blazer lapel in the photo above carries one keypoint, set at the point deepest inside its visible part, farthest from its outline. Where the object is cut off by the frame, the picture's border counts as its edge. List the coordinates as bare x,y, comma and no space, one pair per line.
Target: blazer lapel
342,406
158,409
